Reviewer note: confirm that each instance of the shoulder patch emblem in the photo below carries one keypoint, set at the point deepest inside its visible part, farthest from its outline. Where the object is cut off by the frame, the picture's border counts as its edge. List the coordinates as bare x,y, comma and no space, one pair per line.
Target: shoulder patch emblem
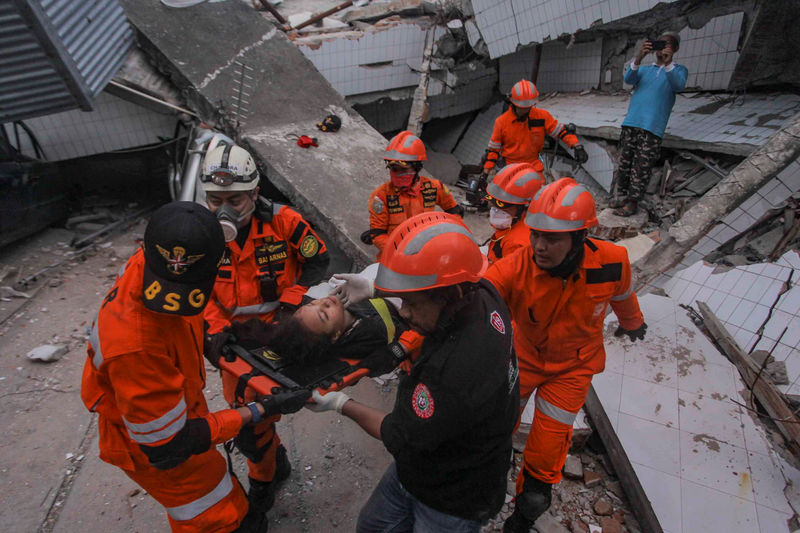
497,322
377,205
309,247
422,401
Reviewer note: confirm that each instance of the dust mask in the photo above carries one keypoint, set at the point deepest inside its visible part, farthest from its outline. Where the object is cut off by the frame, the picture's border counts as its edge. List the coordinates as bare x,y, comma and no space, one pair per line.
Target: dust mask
230,220
499,219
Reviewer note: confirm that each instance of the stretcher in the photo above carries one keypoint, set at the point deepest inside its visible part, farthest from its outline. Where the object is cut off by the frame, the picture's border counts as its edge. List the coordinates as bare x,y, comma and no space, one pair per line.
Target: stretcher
262,371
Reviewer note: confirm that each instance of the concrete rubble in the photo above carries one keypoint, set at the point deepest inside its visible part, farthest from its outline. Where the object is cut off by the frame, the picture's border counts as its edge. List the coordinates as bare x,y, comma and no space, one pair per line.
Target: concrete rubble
48,353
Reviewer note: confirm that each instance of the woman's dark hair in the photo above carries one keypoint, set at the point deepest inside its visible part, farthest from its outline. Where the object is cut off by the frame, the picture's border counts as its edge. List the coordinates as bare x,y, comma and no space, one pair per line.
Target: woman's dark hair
289,338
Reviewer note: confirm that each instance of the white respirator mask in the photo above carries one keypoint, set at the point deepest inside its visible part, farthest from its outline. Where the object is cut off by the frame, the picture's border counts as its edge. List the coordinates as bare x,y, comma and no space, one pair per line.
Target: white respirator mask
499,219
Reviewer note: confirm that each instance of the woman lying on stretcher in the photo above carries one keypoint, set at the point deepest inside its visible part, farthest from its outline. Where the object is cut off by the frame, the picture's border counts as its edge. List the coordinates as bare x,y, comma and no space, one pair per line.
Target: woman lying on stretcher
372,331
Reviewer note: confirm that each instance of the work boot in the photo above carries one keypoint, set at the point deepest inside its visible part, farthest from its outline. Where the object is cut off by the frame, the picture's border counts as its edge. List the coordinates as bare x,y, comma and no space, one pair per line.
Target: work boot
530,504
262,493
255,521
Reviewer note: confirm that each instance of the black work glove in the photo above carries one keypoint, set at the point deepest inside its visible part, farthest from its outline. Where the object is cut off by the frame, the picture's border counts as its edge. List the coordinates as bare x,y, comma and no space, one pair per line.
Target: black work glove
284,402
366,237
633,334
213,346
580,154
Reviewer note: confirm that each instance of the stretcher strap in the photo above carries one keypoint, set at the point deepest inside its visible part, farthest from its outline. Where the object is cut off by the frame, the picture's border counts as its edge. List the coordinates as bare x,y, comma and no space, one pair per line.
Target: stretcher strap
383,311
241,385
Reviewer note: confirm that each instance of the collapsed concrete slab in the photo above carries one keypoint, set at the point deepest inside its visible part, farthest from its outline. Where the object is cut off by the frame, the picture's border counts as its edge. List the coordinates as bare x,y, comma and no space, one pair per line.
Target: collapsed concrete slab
242,75
726,124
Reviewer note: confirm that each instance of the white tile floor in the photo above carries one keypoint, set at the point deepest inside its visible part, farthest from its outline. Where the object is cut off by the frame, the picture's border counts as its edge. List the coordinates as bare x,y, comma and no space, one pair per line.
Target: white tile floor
741,298
704,463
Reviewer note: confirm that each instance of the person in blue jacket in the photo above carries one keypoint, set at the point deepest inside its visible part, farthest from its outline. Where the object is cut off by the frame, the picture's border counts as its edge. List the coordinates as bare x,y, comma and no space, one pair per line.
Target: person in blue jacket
654,88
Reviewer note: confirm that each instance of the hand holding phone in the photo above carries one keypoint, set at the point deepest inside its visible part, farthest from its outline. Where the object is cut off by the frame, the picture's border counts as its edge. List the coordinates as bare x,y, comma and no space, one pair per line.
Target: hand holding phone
658,44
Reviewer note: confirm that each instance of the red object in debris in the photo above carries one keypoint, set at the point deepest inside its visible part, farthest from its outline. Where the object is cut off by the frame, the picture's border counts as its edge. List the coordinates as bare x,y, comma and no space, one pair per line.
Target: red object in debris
304,141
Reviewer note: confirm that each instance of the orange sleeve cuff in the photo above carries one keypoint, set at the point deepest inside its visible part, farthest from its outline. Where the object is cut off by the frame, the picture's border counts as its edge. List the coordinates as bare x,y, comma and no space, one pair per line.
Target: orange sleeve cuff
628,312
224,425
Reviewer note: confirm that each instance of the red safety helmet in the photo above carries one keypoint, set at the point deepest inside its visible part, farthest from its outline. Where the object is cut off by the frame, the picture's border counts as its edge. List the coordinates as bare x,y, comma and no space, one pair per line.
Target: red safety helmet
524,94
429,250
564,205
405,146
515,184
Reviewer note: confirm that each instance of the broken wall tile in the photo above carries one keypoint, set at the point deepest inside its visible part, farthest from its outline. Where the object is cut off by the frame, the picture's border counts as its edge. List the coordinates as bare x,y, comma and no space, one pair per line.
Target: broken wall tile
570,69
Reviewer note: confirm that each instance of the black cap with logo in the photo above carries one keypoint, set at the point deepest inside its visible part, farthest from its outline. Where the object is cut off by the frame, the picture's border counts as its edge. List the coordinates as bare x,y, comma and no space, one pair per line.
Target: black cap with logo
183,247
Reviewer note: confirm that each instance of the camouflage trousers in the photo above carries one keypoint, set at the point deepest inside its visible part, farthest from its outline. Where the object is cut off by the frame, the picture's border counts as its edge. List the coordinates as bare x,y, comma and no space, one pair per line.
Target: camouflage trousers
639,150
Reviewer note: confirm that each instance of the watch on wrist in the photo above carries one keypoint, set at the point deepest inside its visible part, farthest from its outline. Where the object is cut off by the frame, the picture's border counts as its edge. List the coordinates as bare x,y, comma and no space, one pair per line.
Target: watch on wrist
398,353
253,406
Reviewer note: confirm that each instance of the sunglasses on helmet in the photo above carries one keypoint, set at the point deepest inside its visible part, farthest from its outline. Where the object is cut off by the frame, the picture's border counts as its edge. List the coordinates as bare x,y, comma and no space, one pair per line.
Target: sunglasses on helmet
494,201
398,165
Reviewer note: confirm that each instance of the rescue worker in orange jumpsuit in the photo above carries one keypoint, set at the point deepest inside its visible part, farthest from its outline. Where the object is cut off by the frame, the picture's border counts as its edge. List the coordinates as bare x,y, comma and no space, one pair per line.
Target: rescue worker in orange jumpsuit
272,257
406,193
518,134
144,376
558,290
509,194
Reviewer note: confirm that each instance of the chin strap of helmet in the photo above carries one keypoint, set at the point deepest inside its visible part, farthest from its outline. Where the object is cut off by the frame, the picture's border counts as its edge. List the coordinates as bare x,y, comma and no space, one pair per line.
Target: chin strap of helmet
570,264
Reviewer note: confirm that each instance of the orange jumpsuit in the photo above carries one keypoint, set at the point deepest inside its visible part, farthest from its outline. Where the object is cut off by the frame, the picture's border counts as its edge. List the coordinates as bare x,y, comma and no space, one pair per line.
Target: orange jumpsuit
504,242
519,140
285,248
558,336
144,376
291,252
388,206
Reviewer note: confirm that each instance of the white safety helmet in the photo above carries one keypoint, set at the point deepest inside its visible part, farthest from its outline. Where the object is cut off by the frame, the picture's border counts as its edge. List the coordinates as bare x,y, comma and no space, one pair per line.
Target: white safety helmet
228,167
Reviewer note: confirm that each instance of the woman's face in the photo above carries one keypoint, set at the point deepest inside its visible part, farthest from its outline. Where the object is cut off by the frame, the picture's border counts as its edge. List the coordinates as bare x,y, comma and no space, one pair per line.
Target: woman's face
325,316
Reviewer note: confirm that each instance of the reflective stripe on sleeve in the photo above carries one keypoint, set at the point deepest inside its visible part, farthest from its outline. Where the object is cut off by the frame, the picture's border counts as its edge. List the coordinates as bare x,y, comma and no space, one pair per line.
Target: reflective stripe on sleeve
495,146
625,295
94,342
556,413
258,309
161,428
197,507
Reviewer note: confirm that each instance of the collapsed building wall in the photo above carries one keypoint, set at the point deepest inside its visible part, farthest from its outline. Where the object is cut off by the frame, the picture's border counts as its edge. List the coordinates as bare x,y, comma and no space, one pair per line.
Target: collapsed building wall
287,97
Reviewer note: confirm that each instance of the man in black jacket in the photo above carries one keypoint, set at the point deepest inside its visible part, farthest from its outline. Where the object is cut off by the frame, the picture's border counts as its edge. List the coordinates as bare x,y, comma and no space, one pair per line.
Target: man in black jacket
450,429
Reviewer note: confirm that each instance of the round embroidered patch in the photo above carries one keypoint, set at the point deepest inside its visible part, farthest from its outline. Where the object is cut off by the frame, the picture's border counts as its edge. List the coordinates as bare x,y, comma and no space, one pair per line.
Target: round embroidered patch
309,246
422,401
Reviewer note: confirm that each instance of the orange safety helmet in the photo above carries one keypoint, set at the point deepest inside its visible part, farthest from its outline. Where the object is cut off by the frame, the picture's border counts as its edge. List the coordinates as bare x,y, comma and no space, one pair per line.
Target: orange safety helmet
405,146
515,184
524,94
429,250
564,205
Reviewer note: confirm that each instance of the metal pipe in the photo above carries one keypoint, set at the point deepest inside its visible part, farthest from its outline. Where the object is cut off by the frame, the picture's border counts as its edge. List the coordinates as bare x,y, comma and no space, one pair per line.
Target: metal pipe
317,18
152,98
269,7
190,177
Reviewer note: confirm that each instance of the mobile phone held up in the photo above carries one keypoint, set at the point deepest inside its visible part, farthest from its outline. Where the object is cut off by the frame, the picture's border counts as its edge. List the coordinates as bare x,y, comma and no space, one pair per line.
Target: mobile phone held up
658,45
